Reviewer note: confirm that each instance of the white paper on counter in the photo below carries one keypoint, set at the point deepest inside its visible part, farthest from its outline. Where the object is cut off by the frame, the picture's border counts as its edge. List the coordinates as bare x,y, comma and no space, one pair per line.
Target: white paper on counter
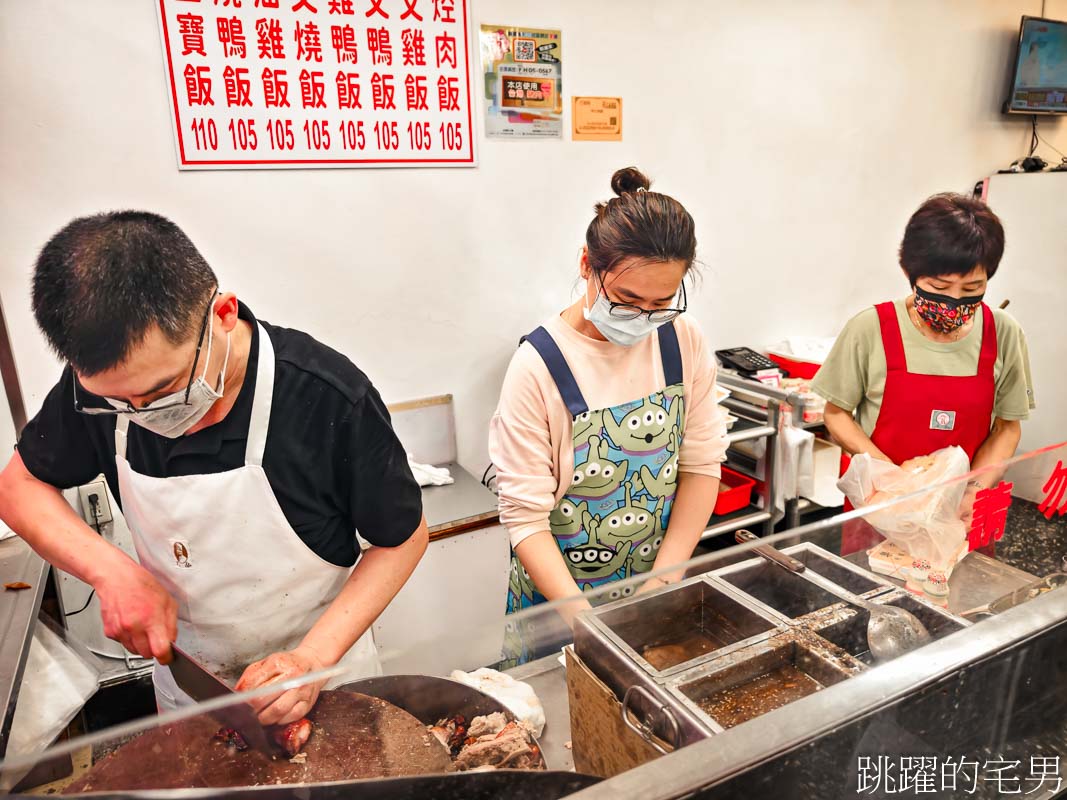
56,684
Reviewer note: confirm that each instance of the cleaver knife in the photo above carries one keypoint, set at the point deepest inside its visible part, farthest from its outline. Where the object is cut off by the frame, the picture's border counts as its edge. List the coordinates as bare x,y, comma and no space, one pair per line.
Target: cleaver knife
200,684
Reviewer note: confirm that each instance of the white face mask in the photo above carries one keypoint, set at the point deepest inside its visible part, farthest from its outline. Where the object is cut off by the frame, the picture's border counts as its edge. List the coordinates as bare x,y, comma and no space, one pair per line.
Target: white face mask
623,332
174,421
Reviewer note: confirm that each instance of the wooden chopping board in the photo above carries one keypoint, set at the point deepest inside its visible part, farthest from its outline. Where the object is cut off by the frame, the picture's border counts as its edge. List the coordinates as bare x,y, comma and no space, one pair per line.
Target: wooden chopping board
353,736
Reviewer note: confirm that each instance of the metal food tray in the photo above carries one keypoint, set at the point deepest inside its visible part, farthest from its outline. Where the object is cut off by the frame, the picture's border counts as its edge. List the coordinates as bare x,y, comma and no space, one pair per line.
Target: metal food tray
846,627
806,655
700,618
790,595
762,618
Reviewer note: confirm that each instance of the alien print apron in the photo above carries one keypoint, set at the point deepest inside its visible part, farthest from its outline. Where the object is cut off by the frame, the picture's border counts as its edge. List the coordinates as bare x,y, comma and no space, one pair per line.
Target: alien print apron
611,522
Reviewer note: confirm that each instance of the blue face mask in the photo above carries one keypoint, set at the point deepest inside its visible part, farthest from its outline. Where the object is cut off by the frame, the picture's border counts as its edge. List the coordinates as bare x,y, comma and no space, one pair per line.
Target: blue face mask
623,332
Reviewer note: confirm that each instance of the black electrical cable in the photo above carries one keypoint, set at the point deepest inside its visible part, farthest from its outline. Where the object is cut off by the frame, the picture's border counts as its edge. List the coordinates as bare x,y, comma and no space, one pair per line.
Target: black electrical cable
80,610
1033,135
94,506
1046,142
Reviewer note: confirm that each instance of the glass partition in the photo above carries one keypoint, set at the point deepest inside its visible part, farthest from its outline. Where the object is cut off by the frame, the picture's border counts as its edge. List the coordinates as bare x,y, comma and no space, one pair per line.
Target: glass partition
915,645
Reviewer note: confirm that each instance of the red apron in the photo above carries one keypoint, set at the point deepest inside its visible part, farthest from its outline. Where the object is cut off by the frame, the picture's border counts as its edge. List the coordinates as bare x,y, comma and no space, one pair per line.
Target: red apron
924,413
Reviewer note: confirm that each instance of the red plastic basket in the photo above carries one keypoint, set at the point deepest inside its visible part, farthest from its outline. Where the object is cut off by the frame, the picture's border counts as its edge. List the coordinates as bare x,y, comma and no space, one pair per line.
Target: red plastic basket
737,496
796,369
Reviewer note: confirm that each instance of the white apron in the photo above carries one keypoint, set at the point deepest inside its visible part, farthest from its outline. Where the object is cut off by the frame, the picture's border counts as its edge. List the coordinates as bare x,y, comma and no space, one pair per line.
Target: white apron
246,585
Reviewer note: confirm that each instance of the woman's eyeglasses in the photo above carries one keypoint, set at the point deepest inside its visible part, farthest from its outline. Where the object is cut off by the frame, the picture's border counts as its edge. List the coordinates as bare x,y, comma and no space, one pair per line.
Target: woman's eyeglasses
630,311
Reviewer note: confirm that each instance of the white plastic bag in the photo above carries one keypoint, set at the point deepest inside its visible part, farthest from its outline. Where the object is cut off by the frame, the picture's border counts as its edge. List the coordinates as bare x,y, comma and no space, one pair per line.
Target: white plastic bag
926,526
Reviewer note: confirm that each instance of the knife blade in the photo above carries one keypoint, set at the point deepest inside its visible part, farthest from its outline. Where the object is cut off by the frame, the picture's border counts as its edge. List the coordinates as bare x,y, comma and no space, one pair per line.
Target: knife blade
201,684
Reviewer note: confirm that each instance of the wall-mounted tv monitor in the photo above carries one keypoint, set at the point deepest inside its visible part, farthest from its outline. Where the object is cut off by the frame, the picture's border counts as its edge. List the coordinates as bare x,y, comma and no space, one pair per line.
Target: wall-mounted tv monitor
1039,85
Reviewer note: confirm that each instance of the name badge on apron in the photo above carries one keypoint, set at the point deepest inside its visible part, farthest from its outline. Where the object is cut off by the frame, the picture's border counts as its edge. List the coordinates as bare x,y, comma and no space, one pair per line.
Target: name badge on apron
942,420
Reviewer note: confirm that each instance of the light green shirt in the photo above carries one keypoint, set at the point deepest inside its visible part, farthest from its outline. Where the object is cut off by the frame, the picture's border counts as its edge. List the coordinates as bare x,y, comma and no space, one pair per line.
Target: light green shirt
853,375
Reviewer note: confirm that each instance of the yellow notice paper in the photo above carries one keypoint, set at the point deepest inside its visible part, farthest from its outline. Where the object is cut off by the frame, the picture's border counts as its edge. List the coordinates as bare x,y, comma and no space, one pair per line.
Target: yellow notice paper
596,119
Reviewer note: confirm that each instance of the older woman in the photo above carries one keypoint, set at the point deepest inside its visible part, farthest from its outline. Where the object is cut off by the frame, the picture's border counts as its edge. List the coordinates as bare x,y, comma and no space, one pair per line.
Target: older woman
938,367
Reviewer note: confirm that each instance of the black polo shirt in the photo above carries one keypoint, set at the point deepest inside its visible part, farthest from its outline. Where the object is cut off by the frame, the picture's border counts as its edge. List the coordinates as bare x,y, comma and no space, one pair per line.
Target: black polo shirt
331,456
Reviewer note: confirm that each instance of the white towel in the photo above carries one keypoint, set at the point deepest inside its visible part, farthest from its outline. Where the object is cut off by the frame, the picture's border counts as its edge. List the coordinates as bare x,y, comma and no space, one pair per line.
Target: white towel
427,475
519,697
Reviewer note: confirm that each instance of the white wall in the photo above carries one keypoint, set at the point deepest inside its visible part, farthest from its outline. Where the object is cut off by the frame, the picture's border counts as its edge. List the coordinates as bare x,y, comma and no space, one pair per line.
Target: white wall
800,136
1032,275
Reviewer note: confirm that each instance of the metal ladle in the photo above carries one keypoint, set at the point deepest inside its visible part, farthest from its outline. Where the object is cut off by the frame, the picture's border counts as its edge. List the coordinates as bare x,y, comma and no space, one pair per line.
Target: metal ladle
891,631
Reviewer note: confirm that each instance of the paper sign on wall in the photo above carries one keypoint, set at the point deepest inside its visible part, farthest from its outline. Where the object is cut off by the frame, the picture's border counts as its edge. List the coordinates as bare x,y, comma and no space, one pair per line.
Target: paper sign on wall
523,82
596,119
319,83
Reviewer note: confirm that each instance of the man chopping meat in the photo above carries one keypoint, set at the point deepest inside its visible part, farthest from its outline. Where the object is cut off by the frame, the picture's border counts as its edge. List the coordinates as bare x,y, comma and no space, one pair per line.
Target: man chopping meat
244,456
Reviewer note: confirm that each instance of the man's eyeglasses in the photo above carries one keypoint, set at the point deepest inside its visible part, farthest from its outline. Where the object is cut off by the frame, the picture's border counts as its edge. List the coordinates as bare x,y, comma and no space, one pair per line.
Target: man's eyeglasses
630,311
130,409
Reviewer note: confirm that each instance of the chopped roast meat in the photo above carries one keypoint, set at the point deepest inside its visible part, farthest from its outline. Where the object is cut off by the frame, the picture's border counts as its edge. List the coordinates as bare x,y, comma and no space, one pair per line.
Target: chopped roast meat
451,732
511,748
490,742
488,724
292,737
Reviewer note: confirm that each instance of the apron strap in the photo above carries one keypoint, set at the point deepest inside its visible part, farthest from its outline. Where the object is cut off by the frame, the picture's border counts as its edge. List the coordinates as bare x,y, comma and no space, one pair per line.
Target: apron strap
259,422
671,354
122,425
988,356
546,347
892,341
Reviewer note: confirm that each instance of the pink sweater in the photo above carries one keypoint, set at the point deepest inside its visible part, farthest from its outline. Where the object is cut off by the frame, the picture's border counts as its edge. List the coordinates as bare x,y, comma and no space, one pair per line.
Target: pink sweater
530,433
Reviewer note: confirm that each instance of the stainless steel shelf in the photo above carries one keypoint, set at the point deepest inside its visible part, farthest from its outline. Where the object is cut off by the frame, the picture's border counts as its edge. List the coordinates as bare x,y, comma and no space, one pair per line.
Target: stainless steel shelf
744,434
732,522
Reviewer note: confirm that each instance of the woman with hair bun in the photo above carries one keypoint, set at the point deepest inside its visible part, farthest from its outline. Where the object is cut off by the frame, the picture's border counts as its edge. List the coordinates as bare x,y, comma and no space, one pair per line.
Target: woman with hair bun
607,439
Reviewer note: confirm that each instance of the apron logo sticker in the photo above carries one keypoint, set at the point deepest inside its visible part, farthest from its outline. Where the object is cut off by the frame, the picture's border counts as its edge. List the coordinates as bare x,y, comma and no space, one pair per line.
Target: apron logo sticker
181,555
942,420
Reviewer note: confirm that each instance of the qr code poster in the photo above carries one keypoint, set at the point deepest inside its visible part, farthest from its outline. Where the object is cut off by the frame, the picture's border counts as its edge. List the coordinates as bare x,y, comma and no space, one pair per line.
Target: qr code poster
523,82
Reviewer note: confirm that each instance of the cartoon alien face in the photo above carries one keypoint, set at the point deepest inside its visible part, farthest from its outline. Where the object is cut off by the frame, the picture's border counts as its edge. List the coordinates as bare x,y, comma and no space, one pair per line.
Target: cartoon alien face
594,560
586,425
665,482
645,429
566,518
618,592
644,555
519,582
632,522
598,477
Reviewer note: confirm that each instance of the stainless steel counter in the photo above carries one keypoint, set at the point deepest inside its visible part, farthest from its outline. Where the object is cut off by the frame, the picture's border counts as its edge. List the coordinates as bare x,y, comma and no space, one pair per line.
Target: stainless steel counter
18,617
462,504
977,579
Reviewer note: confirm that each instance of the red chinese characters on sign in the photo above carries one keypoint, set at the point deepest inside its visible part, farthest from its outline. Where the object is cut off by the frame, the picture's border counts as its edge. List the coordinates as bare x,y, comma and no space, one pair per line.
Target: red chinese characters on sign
198,86
232,37
269,35
319,82
343,40
446,51
348,90
238,87
191,29
415,90
414,48
1055,489
308,44
275,88
312,90
990,515
379,46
